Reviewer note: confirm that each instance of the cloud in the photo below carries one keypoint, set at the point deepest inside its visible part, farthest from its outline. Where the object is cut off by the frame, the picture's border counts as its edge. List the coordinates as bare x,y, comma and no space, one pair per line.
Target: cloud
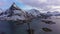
41,3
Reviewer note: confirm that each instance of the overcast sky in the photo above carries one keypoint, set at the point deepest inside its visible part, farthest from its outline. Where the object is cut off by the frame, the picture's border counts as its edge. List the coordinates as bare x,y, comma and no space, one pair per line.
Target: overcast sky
45,4
28,4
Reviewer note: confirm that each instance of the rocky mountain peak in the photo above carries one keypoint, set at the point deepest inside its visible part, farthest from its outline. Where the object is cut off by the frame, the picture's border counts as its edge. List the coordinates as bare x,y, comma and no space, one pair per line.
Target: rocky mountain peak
14,7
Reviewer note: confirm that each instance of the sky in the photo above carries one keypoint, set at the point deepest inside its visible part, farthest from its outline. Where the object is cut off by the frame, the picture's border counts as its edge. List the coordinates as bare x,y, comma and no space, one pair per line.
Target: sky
5,4
29,4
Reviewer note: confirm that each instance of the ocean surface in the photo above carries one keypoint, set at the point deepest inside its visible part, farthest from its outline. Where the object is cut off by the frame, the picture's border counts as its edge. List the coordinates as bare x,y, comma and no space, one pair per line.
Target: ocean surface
36,25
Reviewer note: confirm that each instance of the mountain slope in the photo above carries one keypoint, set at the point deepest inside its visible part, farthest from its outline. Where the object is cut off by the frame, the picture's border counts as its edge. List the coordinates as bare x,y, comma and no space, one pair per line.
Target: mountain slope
13,13
34,12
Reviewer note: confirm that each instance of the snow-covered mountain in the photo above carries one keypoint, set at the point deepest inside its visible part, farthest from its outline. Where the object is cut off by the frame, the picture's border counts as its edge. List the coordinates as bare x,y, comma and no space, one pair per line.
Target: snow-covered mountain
34,12
53,13
13,13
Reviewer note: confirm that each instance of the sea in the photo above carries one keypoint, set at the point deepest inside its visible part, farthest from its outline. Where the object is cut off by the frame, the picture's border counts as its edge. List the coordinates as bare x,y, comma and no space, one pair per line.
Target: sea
8,27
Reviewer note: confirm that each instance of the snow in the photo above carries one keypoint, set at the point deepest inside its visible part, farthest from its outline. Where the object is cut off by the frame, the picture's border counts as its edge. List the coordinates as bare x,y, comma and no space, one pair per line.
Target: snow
14,13
34,12
11,14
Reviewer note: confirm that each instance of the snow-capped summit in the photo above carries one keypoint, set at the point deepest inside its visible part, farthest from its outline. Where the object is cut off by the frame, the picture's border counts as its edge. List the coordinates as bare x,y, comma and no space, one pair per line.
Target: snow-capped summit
14,7
34,12
13,13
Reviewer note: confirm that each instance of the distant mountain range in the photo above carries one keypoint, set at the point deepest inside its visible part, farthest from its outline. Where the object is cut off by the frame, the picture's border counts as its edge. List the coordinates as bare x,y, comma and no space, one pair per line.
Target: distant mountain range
55,13
15,13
